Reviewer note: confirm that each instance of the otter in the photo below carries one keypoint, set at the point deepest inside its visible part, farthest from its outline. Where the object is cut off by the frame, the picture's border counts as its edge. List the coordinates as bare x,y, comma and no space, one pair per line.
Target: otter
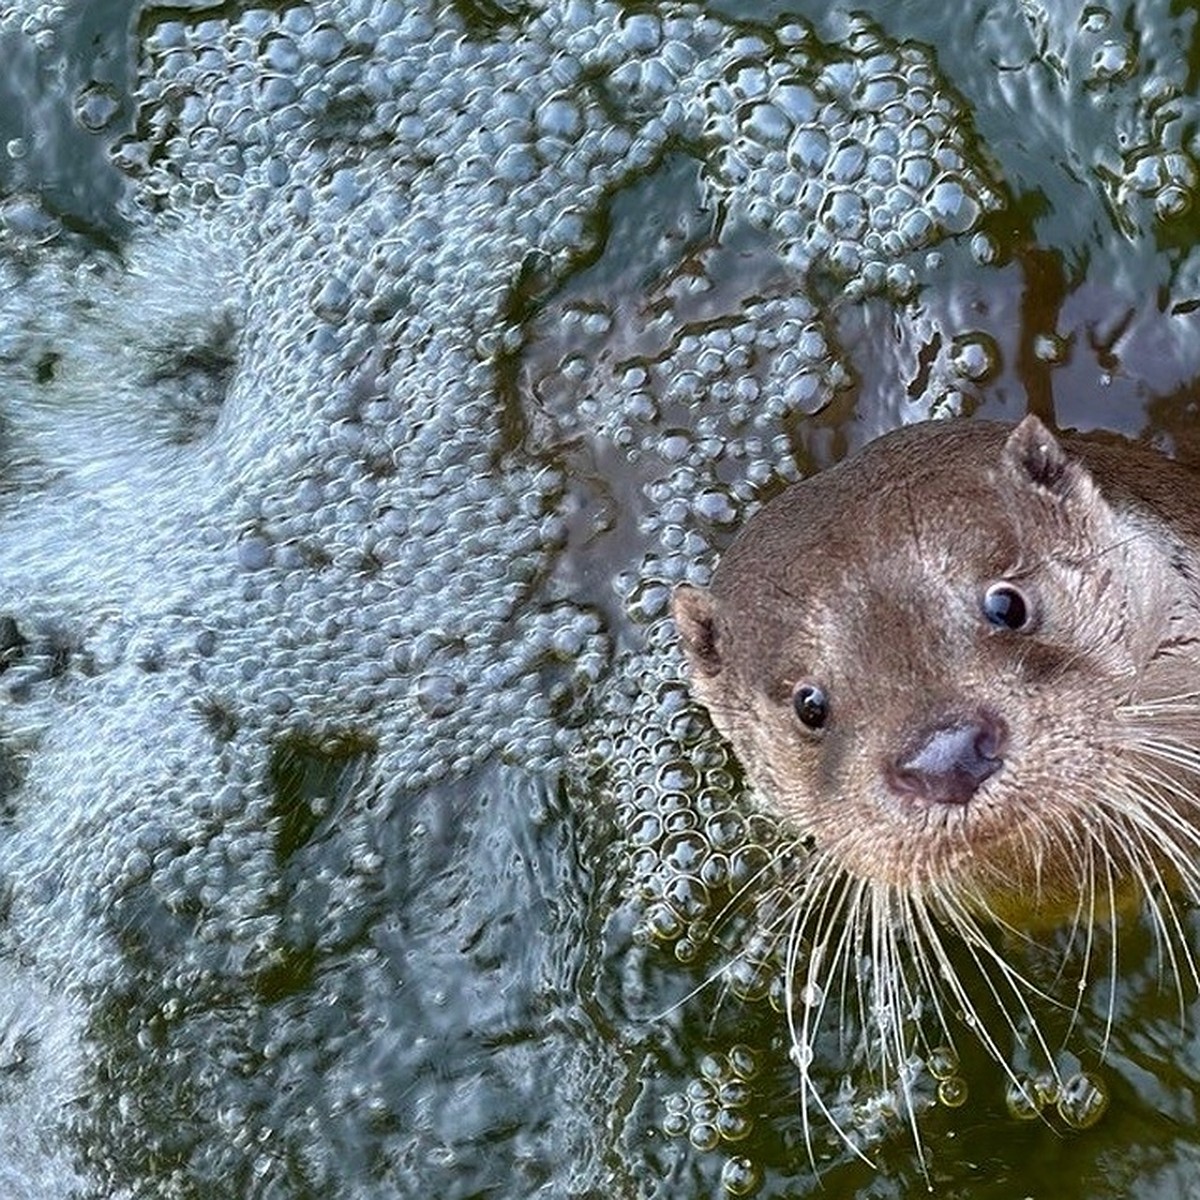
963,669
964,666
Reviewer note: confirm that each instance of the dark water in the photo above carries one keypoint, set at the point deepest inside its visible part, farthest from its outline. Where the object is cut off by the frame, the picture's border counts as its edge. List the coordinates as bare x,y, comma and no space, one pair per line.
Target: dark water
368,375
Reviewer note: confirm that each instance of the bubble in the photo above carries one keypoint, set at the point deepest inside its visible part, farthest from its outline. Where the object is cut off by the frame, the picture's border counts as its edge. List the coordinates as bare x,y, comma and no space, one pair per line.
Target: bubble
688,897
952,1092
733,1092
97,105
740,1176
676,1124
768,124
439,694
685,852
732,1125
743,1061
808,149
1050,348
663,923
984,250
1083,1100
747,862
717,508
1022,1100
952,206
975,356
1112,61
848,162
942,1062
649,601
1147,173
1171,203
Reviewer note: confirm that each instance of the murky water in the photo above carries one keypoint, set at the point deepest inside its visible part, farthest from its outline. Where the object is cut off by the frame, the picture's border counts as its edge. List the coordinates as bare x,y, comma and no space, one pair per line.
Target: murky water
369,372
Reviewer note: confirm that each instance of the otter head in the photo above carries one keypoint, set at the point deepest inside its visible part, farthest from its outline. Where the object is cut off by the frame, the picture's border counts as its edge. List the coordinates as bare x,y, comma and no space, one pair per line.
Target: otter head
922,657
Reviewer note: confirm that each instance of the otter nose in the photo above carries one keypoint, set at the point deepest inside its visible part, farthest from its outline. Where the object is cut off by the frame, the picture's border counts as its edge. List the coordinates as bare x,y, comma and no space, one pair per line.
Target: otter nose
948,762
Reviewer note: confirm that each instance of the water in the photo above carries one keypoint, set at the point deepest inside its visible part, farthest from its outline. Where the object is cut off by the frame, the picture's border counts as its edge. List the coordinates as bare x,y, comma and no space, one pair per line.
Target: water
370,374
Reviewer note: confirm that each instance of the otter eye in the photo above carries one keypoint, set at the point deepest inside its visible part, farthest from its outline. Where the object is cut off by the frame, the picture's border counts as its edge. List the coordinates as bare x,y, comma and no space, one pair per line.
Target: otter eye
1005,607
811,705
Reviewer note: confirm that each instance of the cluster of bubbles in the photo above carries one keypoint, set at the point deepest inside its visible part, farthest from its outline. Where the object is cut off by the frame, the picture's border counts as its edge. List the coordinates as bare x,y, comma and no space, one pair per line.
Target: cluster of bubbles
943,1065
713,1113
1078,1100
1150,168
851,162
713,1108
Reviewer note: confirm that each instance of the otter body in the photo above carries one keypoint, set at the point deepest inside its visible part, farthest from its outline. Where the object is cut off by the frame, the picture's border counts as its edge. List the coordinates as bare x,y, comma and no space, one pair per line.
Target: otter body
965,666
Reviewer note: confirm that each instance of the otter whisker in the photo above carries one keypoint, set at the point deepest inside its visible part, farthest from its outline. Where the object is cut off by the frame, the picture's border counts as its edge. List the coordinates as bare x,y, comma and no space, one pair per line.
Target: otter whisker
1154,708
1152,883
903,1006
964,925
1167,930
925,971
1170,834
1172,752
1086,903
802,1039
1110,892
843,894
747,889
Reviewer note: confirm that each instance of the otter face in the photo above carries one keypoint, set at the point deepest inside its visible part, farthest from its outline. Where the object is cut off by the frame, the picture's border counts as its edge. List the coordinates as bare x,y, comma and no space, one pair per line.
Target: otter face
926,660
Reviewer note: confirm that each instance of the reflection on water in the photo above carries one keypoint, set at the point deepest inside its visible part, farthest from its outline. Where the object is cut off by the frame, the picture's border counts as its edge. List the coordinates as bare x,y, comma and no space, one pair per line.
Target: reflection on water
371,371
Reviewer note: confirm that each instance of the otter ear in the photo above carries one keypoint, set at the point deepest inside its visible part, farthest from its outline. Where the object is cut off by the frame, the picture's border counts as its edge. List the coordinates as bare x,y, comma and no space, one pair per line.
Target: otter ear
1035,456
1033,451
695,618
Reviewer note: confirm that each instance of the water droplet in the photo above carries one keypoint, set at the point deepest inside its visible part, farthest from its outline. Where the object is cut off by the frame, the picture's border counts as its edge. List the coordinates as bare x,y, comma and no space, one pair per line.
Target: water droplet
801,1054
